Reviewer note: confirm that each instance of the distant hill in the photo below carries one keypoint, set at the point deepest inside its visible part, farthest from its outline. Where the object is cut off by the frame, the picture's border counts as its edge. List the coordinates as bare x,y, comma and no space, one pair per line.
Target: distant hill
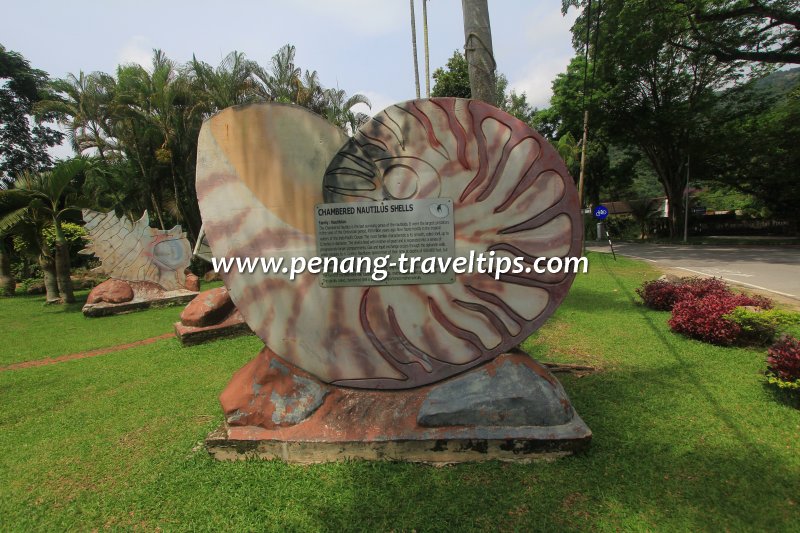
779,82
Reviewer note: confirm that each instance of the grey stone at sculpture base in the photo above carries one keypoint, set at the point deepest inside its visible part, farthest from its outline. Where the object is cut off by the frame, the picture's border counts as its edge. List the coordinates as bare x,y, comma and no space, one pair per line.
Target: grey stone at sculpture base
512,395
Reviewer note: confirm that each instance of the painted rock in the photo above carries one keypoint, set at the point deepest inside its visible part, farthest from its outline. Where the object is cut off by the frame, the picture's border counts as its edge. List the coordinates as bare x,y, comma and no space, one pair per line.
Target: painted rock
262,169
209,307
192,283
113,291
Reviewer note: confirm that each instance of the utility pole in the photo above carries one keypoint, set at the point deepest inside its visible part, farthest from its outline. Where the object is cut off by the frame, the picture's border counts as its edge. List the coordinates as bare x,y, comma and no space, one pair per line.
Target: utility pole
478,50
585,141
583,156
427,56
414,46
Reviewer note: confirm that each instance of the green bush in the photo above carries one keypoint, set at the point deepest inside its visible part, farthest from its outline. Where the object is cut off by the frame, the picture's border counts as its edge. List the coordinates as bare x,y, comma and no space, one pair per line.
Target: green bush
762,326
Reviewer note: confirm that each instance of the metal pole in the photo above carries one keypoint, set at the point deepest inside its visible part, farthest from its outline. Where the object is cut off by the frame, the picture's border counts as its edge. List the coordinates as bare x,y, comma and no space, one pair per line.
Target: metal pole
686,205
427,56
414,46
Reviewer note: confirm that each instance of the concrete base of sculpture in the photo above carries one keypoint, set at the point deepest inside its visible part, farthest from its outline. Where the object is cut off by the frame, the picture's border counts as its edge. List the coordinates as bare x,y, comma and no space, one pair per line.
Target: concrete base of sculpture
115,296
510,409
211,315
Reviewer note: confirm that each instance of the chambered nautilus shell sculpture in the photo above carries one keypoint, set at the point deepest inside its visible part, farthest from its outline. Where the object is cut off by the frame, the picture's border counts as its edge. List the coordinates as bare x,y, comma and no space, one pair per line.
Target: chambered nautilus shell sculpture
263,168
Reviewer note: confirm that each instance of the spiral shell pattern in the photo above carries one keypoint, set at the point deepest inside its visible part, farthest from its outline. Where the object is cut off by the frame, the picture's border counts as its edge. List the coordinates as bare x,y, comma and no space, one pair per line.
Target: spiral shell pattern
261,170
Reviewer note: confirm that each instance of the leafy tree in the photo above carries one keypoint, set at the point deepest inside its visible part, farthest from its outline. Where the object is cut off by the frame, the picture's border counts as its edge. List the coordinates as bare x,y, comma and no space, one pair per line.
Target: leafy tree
452,79
758,154
608,167
751,30
24,140
657,91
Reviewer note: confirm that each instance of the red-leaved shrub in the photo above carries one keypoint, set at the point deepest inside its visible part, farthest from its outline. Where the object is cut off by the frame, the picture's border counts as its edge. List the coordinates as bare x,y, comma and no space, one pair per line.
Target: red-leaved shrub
783,359
662,295
703,318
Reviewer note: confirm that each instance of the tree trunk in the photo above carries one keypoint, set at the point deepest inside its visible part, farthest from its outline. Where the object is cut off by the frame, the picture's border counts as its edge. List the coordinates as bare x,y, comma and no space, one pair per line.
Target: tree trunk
478,50
48,267
62,266
674,192
7,283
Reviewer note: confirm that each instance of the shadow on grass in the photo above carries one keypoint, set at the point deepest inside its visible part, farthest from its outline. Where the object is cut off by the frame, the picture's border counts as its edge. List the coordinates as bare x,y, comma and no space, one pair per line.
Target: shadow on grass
662,463
671,349
783,396
76,306
591,300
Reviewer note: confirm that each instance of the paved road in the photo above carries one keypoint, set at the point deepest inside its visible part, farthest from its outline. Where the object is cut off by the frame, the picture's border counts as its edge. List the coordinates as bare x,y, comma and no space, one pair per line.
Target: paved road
769,268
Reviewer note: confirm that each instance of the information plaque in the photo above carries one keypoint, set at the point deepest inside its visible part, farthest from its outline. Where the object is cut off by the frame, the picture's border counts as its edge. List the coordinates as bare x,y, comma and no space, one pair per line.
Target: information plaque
410,234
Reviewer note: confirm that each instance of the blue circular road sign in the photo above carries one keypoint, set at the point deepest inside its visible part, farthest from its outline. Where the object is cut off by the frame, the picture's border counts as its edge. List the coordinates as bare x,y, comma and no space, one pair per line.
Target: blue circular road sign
600,212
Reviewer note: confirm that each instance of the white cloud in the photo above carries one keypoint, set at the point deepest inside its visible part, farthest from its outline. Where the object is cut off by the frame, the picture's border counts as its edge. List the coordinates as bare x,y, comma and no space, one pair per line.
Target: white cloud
549,50
538,80
367,17
136,50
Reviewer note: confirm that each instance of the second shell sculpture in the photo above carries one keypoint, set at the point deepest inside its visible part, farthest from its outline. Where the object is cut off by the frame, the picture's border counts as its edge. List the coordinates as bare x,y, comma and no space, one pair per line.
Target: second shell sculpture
133,251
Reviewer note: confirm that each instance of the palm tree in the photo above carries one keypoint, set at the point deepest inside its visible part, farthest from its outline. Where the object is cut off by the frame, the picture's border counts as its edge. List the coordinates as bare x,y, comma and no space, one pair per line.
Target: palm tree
7,282
339,109
311,94
643,211
13,207
50,198
158,119
231,83
281,83
83,107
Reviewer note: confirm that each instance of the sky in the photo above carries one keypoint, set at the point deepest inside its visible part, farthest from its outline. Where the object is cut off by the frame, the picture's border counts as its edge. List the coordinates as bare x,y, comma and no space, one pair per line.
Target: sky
361,46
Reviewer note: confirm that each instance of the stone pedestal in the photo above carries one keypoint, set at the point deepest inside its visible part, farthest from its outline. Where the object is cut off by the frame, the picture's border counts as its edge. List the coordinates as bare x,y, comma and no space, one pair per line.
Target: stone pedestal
116,296
211,315
509,409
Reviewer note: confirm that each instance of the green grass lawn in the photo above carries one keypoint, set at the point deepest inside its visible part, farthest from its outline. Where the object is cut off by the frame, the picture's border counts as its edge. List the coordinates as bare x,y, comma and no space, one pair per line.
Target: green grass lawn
686,436
31,330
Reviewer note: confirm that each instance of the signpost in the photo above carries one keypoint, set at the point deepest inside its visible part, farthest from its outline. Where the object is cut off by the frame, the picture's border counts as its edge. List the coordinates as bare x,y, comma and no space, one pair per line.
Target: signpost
601,213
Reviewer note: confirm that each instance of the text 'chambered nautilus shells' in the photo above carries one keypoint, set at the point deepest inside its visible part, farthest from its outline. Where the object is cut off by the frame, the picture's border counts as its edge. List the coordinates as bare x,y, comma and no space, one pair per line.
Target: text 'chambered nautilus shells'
262,169
133,251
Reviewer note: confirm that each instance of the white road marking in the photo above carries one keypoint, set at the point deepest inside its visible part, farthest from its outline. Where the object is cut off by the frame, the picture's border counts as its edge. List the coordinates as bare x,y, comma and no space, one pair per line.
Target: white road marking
722,271
741,283
628,255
